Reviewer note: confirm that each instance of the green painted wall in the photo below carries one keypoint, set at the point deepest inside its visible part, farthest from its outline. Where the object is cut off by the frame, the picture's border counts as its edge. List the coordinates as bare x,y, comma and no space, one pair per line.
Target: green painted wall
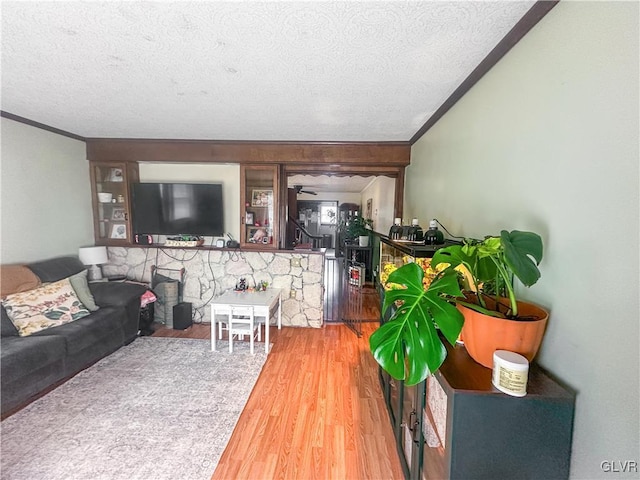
45,201
548,141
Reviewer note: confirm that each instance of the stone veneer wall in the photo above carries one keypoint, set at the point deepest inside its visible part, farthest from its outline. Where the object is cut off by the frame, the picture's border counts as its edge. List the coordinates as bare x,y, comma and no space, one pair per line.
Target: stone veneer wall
210,273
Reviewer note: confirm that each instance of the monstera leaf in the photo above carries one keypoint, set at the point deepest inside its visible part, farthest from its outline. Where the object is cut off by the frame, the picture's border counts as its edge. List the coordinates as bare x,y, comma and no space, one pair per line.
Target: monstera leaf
519,248
408,346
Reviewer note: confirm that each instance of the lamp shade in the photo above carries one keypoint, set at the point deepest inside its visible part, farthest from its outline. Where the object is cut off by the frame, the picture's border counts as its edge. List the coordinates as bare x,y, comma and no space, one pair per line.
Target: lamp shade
93,255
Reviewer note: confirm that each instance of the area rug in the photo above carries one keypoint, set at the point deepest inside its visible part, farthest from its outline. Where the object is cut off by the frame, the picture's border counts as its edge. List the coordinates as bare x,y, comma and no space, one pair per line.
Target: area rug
159,408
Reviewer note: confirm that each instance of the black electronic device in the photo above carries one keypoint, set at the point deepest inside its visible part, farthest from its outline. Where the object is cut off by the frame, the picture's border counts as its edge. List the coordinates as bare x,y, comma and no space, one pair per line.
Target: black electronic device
433,236
182,316
231,243
178,208
141,239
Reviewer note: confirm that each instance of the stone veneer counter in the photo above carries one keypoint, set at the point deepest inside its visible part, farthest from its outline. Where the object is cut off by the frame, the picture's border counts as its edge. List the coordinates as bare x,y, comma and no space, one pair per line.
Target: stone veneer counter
210,272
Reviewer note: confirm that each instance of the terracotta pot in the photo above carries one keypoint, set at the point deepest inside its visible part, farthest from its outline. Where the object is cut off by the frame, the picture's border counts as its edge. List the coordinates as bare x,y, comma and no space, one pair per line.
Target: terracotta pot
483,334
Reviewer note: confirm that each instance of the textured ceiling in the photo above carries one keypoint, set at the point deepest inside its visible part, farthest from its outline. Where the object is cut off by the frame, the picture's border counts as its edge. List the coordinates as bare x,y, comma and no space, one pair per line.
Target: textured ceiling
326,183
297,71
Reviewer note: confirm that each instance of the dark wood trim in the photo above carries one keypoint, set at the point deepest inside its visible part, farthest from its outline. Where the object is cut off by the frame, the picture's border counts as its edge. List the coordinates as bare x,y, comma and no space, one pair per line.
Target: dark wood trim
42,126
398,202
342,170
526,23
214,151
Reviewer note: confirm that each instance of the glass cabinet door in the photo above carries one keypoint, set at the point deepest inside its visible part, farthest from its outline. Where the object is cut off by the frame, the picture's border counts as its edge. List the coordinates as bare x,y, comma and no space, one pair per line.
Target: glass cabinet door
111,202
259,216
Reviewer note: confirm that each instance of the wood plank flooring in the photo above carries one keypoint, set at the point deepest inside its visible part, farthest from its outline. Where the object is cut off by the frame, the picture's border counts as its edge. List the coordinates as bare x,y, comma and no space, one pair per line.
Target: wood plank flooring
316,411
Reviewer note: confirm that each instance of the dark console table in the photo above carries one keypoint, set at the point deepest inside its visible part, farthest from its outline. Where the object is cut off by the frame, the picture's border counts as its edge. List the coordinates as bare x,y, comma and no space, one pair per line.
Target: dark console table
457,425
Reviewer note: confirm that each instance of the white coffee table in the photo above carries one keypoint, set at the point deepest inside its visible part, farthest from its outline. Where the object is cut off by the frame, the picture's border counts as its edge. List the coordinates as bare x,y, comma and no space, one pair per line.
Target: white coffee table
262,302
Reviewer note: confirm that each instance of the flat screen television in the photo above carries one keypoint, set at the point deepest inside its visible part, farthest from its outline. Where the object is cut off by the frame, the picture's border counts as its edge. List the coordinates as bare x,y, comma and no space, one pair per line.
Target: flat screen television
177,209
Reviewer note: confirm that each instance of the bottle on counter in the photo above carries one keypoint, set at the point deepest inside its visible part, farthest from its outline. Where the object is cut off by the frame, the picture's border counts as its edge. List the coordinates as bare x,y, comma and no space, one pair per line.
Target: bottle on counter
433,236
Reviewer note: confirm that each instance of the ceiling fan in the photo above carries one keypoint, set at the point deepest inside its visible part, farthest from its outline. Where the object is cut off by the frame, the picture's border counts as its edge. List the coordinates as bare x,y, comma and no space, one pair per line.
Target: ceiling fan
300,189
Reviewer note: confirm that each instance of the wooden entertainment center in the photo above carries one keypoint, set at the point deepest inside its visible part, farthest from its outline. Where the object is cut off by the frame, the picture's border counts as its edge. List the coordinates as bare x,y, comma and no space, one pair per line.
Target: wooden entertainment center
264,168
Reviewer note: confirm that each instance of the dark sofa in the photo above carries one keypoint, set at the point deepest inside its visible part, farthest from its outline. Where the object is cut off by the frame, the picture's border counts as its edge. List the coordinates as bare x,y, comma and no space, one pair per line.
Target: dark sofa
33,363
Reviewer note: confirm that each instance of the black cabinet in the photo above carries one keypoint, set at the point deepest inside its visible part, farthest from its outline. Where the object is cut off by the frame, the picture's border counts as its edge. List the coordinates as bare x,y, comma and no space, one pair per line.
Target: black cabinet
457,425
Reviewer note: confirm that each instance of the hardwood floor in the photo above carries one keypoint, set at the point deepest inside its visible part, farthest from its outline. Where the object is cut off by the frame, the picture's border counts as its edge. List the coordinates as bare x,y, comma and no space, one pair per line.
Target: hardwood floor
316,411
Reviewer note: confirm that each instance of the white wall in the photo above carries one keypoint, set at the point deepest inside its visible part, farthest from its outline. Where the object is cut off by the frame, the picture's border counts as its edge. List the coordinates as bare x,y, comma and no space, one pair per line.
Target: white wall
340,197
381,191
548,141
45,202
226,174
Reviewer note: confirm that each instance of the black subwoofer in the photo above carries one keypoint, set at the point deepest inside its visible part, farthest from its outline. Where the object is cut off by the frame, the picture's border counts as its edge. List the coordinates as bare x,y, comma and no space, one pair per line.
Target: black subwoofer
182,316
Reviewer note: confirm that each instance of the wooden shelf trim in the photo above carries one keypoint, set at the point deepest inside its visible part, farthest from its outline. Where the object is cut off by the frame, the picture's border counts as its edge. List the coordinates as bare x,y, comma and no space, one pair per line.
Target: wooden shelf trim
211,151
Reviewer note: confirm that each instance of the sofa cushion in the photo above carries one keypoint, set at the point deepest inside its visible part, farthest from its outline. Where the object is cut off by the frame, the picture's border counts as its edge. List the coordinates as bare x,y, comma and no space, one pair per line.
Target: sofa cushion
8,328
23,356
17,278
56,269
91,331
115,293
44,307
81,287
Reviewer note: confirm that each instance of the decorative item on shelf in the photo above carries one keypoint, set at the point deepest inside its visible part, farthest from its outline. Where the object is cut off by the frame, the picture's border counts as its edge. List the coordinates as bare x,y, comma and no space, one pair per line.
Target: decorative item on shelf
183,241
93,257
248,218
118,214
261,198
120,198
115,175
105,197
241,286
408,346
262,286
119,231
258,235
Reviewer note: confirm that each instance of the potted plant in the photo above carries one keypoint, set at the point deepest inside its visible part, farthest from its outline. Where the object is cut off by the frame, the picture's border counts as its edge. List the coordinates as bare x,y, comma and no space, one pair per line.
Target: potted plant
408,346
494,318
359,227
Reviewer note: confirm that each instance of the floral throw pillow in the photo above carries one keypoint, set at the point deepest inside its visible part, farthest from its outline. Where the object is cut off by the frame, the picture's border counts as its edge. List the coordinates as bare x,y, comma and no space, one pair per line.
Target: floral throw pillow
48,306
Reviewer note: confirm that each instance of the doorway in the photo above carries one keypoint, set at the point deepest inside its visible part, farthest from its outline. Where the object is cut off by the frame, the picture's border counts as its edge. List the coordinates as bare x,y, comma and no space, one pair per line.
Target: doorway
319,217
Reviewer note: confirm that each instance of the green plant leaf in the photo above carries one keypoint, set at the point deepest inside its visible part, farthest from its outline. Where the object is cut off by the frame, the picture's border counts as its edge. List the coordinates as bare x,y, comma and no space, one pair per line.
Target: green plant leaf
445,315
454,255
488,247
408,346
520,251
481,268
